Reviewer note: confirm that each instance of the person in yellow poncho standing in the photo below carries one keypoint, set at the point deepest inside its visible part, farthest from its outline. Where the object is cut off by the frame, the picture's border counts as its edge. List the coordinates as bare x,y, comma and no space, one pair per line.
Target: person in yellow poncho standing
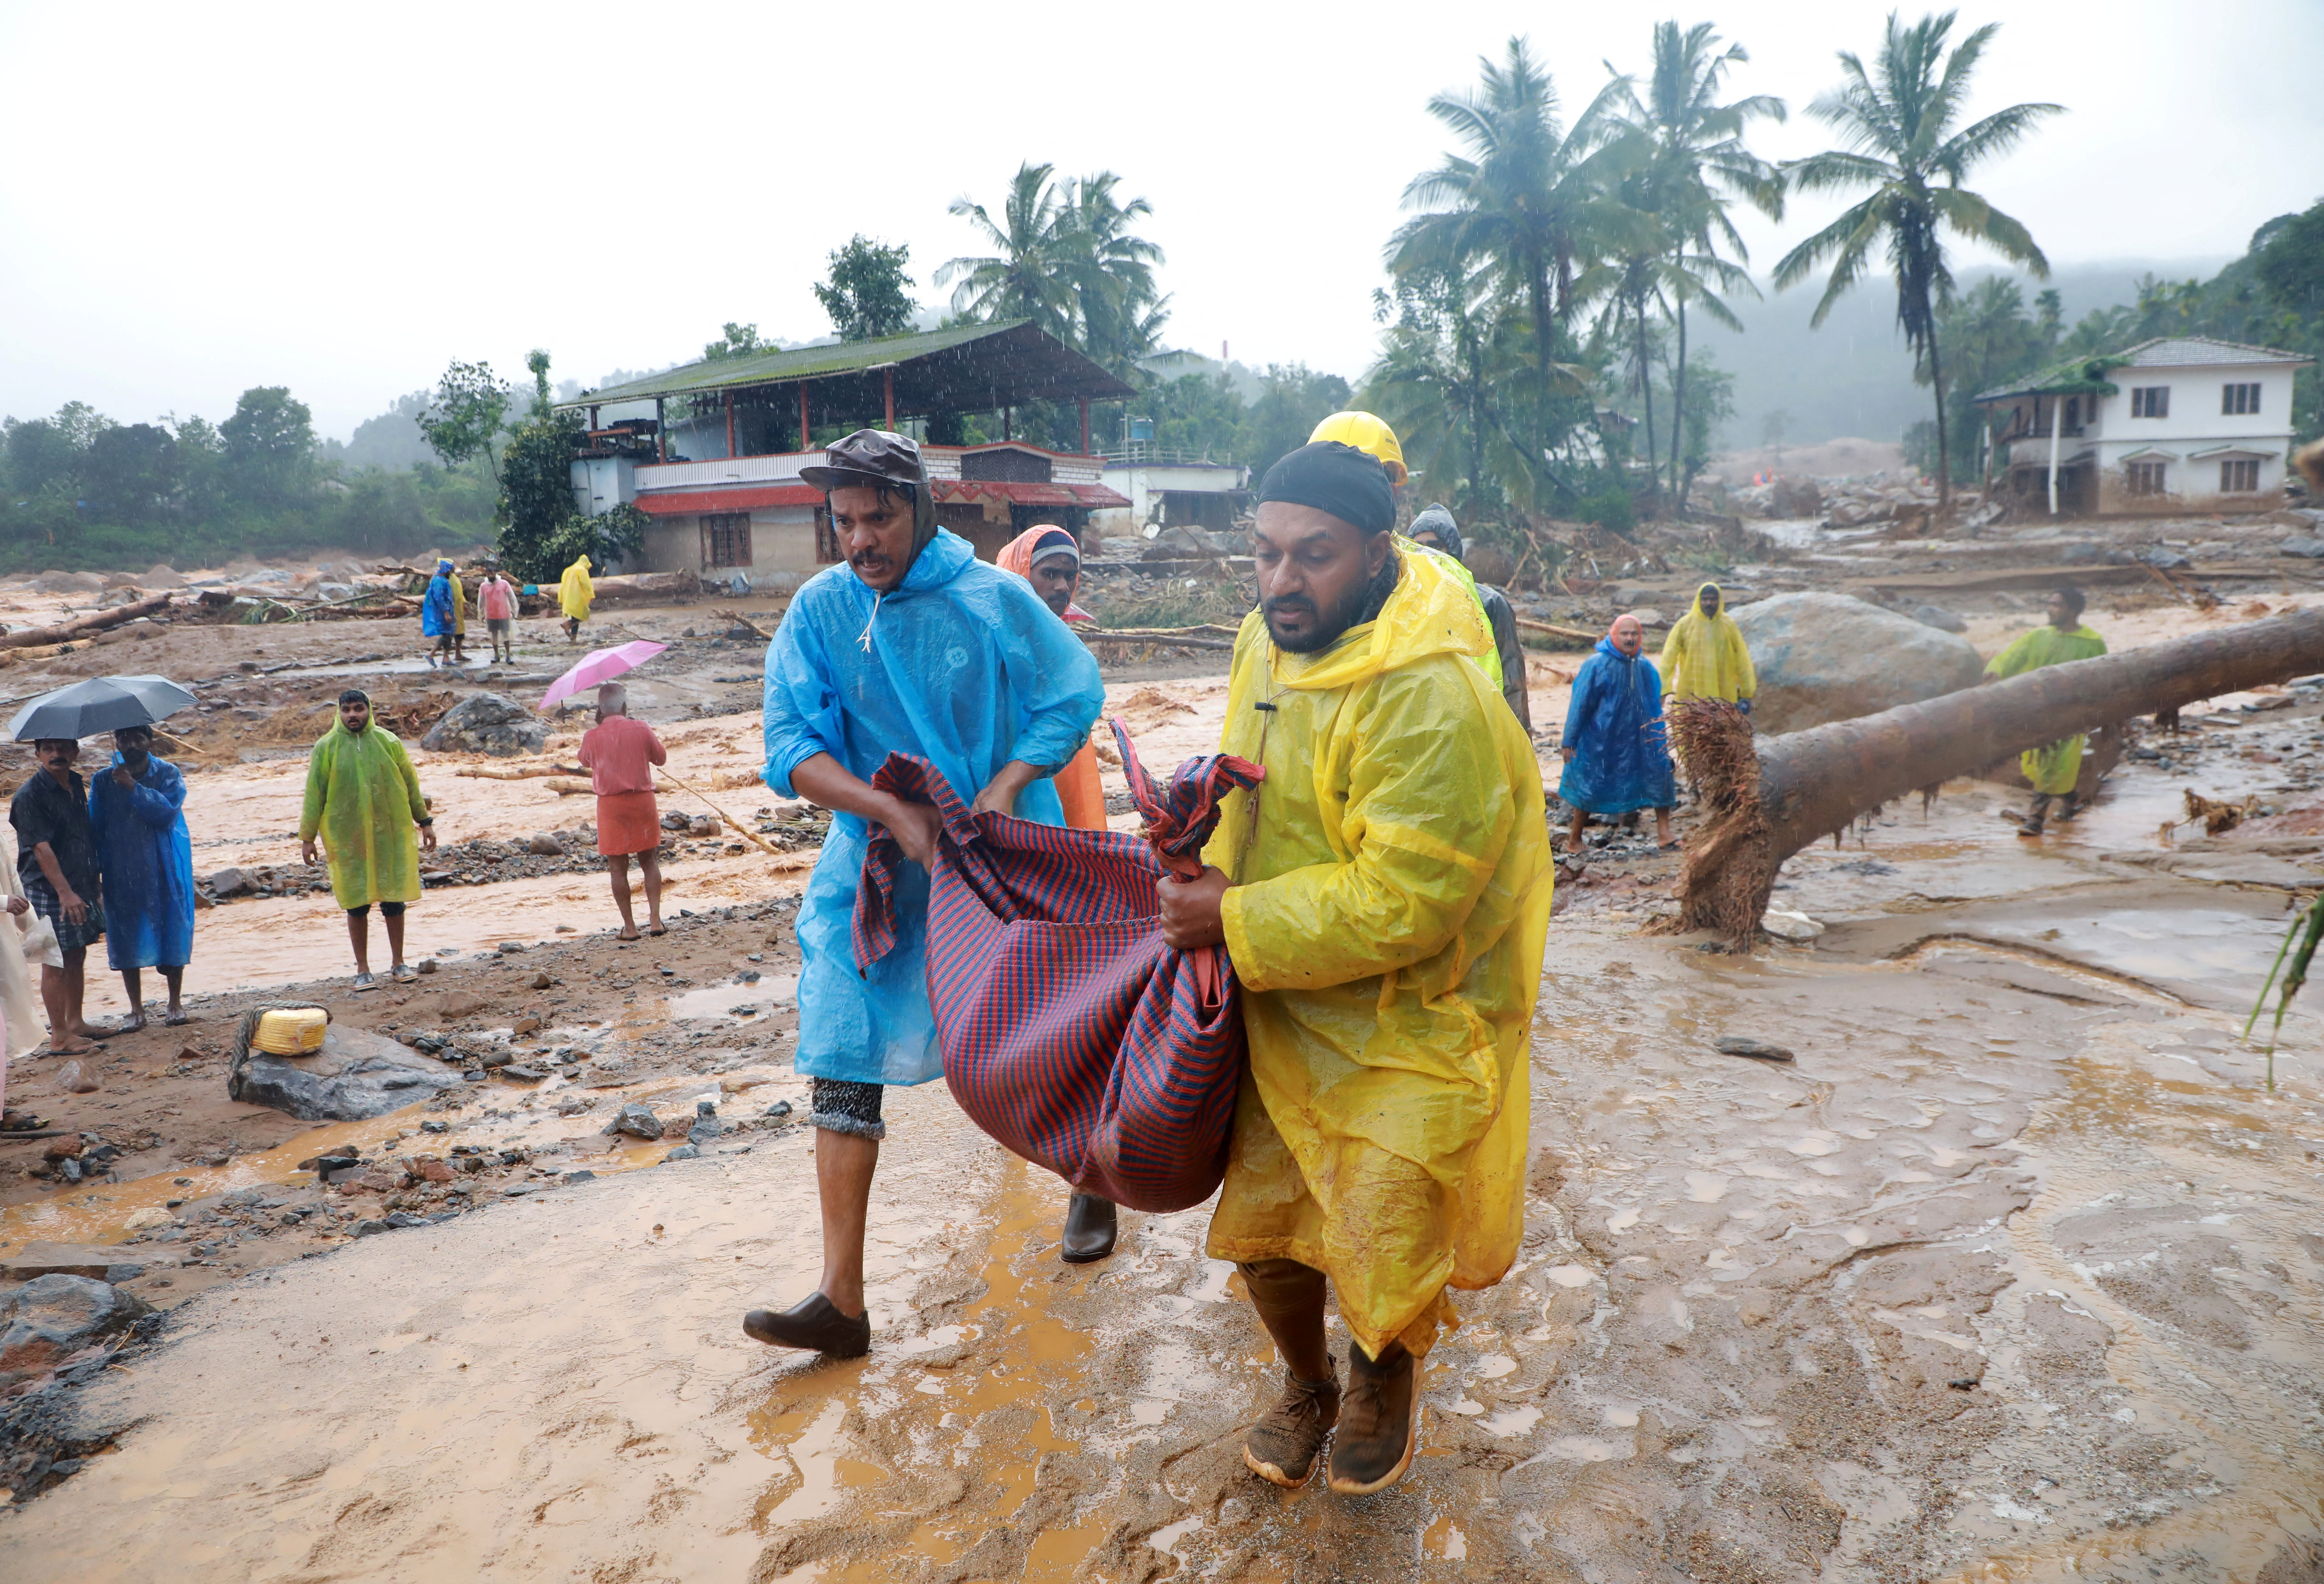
1705,656
1384,895
2057,769
574,593
364,801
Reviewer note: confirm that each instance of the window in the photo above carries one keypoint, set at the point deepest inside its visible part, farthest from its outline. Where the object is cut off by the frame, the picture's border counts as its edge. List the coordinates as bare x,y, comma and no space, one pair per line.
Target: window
726,539
2239,478
2073,415
2150,402
2237,399
2143,478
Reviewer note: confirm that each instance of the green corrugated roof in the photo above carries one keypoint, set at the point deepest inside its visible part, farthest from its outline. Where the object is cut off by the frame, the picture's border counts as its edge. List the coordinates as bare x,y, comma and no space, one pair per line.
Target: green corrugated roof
797,363
2077,376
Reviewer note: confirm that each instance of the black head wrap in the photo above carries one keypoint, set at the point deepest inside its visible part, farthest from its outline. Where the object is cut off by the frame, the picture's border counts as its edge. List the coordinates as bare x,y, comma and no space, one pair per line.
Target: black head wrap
1349,483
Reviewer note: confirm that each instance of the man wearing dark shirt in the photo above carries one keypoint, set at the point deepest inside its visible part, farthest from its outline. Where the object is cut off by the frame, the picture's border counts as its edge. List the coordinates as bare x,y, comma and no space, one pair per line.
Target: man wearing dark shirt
56,859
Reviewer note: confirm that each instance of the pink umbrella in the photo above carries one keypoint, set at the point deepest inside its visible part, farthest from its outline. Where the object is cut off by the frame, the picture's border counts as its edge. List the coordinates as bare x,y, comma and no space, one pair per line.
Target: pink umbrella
599,665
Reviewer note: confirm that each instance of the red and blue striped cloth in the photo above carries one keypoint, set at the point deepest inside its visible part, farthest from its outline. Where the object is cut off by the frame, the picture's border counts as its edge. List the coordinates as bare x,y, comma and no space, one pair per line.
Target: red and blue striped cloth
1069,1032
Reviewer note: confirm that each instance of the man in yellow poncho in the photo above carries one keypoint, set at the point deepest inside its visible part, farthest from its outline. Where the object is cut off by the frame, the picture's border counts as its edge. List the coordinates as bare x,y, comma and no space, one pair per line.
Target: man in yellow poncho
364,801
574,593
1705,656
2054,770
1384,895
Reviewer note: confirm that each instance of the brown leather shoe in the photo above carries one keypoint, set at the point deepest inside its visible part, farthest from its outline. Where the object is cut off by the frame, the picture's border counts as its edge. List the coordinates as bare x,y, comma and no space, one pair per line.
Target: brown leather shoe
815,1323
1380,1428
1281,1447
1089,1230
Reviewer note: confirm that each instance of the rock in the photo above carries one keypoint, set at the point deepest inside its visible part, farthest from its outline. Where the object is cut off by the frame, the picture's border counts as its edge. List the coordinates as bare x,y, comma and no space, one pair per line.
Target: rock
148,1218
95,1261
1938,617
426,964
355,1075
703,825
1489,563
545,845
487,723
2164,560
1790,926
1824,657
636,1119
1795,497
541,981
523,1074
370,1228
2306,548
72,1078
403,1218
780,1108
458,1004
232,881
510,947
162,575
685,1152
583,1175
52,1318
527,1024
1757,1050
66,583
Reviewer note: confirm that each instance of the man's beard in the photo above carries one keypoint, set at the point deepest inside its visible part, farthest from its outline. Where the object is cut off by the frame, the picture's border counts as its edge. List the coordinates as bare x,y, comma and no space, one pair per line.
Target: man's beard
1329,624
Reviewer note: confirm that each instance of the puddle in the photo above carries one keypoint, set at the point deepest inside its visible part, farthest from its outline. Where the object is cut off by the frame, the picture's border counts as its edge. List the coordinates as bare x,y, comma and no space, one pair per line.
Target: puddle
736,1002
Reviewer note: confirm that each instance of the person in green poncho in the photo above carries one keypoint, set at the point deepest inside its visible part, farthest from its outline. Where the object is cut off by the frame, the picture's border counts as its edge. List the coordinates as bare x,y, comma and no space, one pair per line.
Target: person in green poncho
2054,770
364,801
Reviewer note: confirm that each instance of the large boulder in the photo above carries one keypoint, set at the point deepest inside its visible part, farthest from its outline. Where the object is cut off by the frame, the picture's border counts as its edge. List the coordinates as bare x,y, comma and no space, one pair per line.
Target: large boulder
487,723
1824,657
356,1075
52,1318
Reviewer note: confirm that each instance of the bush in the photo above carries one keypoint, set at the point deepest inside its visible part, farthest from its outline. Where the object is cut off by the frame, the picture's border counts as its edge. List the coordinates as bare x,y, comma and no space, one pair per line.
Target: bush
1608,507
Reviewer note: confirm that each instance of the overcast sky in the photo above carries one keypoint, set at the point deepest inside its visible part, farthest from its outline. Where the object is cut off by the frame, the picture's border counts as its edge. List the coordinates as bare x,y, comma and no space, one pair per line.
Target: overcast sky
200,199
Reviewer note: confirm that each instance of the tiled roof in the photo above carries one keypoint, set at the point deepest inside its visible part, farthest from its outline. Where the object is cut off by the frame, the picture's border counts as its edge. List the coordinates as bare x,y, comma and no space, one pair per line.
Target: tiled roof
2201,352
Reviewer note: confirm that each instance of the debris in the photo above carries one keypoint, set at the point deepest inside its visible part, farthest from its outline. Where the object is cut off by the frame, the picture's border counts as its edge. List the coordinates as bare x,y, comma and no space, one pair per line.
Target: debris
74,1080
487,723
685,1152
1790,926
636,1119
232,881
52,1318
1743,1045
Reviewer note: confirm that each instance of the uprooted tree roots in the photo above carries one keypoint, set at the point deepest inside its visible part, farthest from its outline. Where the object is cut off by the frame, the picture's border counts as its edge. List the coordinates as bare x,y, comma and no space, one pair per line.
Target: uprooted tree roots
1730,865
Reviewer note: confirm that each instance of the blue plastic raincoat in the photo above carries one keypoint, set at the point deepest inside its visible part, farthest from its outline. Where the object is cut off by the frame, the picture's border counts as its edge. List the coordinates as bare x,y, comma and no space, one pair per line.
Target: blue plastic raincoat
147,860
436,608
963,665
1613,724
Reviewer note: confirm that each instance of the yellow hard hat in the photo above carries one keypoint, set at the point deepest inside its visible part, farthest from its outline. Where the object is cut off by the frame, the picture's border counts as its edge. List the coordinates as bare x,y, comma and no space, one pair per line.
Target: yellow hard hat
1366,433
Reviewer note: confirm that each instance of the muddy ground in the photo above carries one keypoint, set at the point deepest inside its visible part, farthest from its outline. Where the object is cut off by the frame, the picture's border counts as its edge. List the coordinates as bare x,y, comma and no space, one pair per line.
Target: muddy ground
2014,1272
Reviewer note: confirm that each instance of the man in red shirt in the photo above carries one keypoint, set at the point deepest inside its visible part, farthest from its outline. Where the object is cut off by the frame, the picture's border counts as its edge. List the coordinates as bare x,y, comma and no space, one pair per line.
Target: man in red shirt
496,603
620,753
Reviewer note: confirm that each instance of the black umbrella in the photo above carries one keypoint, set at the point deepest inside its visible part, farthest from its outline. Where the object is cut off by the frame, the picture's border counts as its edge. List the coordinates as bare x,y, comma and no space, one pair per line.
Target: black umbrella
100,704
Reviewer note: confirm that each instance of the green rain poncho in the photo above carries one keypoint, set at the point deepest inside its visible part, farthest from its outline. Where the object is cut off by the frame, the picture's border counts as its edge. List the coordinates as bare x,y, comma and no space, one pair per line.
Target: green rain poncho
364,801
2056,768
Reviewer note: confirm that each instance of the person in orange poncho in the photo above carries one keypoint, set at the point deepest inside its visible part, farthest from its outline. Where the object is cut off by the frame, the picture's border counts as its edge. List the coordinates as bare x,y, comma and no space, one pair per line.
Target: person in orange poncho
1047,558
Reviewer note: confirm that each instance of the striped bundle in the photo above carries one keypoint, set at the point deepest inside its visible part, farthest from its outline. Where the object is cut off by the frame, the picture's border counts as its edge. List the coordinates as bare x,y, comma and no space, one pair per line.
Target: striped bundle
1069,1032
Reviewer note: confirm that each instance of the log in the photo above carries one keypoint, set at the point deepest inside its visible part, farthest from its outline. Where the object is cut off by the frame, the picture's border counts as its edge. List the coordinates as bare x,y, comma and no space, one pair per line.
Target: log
82,626
1769,799
643,588
506,772
737,617
1526,624
1161,639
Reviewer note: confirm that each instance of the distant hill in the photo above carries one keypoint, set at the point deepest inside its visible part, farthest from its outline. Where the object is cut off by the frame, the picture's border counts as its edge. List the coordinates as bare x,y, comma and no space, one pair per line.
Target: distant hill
1854,376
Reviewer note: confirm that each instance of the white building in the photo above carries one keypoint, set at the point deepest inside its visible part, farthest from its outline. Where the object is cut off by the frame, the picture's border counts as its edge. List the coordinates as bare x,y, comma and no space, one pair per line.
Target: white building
1170,489
2178,424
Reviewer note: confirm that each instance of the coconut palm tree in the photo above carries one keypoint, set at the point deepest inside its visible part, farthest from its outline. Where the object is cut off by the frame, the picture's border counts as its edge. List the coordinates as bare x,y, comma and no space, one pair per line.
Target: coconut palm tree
1530,194
1697,165
1026,274
1898,121
1122,310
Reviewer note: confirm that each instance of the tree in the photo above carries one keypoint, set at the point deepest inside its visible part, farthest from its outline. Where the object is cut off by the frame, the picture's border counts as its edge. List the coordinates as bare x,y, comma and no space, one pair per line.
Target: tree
1898,121
2290,261
467,411
737,341
1025,275
537,362
1293,400
1529,196
869,294
130,472
1696,164
270,447
542,526
1122,308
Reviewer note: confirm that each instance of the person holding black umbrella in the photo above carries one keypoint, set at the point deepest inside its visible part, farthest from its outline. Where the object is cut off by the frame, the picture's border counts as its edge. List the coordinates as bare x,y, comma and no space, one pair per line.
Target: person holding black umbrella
56,859
146,857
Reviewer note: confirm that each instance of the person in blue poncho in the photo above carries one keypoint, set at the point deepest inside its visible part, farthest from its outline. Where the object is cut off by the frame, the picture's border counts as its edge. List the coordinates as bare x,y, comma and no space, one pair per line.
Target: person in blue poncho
913,646
1616,759
137,810
437,617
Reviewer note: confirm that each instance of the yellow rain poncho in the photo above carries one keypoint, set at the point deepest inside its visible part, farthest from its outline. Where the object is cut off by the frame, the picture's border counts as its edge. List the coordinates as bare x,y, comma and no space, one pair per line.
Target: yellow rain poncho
364,801
1705,656
574,591
1387,925
2056,768
459,603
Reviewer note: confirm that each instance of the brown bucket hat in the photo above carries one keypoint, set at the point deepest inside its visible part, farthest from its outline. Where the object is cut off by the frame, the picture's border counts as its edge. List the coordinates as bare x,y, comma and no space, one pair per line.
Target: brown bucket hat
879,459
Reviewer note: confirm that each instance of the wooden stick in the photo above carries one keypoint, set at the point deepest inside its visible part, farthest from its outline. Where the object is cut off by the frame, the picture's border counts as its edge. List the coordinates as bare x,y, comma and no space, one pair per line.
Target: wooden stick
506,772
1162,639
81,627
736,615
747,833
1529,626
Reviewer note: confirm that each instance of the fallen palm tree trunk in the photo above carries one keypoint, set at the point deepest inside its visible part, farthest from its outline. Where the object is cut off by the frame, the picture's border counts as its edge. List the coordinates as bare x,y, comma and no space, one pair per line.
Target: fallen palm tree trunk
1769,799
82,626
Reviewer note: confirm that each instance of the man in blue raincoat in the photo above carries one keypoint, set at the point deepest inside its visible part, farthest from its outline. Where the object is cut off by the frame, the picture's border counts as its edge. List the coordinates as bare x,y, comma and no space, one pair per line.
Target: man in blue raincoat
913,646
137,810
1616,759
437,617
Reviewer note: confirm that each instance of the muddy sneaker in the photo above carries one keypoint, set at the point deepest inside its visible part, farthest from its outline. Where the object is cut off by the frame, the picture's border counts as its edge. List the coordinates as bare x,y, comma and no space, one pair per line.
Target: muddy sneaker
1380,1430
1281,1447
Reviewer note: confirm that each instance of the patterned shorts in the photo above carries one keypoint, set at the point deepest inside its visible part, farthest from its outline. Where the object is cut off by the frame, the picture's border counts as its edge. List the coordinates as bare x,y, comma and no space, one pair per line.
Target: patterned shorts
70,937
839,1106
